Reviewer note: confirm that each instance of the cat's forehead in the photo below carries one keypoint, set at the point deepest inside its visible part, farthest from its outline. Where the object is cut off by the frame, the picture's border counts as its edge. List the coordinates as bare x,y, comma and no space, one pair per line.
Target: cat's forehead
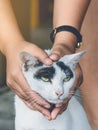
56,67
61,65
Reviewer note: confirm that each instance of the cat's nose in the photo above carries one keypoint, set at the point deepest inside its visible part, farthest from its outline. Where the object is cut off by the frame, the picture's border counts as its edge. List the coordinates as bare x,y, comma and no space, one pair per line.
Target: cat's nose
59,93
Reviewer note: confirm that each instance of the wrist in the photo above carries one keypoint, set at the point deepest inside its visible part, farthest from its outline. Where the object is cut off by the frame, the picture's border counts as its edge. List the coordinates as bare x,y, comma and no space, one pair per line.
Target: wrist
68,40
66,33
10,45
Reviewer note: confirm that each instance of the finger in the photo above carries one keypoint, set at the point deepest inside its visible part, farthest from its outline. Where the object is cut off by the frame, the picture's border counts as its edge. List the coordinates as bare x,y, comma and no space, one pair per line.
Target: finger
59,104
63,109
16,89
55,113
34,106
58,111
39,54
58,51
79,77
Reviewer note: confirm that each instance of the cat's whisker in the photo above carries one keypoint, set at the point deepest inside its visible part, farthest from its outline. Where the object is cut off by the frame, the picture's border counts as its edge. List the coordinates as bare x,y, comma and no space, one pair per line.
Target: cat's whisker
77,95
80,94
71,93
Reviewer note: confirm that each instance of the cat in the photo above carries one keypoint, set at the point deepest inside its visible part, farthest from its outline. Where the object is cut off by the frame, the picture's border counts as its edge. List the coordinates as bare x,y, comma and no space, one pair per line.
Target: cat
54,84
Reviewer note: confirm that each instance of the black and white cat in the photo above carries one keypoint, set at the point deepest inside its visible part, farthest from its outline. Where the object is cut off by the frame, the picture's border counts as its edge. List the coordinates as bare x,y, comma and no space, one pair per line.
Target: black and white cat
53,83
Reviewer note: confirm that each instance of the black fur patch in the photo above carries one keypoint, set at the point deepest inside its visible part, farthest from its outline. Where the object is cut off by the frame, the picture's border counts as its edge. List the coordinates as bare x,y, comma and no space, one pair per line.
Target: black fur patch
38,64
47,72
65,68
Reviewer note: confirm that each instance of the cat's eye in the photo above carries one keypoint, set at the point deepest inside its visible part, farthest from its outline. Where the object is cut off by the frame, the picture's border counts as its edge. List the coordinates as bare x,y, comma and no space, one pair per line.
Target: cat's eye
45,79
66,79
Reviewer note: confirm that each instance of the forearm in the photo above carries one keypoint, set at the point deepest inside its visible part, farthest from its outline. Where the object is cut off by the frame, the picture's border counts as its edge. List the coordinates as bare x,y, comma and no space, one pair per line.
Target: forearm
9,30
69,12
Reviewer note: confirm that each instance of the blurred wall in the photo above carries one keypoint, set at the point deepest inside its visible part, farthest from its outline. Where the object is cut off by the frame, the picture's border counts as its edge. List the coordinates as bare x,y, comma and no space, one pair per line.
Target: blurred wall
22,12
41,12
2,70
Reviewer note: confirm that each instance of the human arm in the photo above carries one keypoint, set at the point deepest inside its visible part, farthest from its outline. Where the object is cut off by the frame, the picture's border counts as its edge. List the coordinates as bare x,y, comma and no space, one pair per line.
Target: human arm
11,43
67,12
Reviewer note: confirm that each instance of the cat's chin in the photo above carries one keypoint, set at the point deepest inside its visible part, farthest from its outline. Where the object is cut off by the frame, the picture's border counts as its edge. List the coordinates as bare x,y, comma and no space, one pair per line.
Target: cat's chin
55,101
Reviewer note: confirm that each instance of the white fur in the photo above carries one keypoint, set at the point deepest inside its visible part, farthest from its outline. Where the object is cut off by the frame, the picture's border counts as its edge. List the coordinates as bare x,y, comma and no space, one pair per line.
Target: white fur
74,118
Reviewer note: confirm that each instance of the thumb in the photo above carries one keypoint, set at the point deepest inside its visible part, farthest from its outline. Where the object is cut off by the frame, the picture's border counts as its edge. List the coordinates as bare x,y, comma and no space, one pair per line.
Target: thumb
59,50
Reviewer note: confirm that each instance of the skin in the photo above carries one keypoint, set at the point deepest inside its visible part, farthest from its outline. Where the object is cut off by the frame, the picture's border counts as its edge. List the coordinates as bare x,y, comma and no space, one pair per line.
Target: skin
89,65
12,42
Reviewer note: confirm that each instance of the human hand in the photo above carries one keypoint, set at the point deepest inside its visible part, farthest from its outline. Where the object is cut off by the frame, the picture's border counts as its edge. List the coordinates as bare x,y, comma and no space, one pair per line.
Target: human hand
16,80
57,52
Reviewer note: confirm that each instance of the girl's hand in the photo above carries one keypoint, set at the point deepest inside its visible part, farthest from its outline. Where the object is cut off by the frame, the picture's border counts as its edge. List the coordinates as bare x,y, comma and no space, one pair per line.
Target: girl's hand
16,80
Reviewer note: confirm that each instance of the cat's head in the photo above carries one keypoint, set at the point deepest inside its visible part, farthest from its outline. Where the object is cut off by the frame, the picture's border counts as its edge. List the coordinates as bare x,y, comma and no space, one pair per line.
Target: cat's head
53,82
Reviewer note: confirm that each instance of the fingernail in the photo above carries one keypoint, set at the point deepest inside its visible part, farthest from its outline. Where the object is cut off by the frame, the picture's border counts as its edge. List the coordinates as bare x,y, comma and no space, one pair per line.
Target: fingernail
59,105
47,106
54,57
48,61
48,118
53,117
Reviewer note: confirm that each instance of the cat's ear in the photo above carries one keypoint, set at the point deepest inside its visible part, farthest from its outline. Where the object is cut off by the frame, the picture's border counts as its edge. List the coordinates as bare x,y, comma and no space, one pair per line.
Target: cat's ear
27,60
73,59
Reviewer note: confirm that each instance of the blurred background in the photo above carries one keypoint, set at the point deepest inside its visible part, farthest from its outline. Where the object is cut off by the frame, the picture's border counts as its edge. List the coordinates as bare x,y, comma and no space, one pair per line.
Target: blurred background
35,21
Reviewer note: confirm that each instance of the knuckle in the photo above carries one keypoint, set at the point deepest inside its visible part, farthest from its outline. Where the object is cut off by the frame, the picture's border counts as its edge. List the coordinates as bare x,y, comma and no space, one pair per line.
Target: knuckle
12,77
9,82
41,110
24,97
14,74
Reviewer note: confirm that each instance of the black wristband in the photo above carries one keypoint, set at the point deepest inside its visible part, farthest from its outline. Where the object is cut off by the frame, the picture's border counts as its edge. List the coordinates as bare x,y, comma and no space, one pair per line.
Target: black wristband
69,29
